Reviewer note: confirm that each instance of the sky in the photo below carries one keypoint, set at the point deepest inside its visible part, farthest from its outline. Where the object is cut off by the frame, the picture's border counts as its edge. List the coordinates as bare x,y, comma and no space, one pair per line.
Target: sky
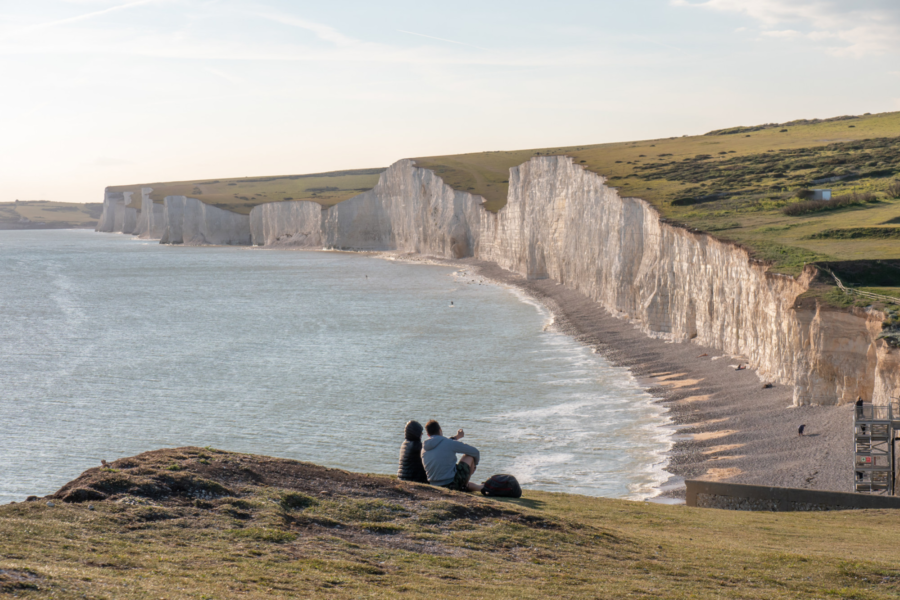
108,92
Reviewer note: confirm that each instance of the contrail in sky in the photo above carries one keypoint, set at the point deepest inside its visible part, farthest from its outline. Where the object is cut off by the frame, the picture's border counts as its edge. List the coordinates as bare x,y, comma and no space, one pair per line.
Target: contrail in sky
89,15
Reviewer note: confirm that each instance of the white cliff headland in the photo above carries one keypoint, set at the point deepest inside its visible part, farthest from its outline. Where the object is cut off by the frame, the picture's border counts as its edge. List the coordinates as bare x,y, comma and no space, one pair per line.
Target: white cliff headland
564,223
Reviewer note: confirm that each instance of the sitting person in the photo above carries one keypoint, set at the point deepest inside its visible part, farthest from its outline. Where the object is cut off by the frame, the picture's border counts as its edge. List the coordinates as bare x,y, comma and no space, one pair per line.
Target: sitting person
411,467
439,456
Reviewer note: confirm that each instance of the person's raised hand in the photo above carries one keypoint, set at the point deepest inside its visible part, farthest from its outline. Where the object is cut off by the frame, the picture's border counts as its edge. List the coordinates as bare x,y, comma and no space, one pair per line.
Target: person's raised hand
460,433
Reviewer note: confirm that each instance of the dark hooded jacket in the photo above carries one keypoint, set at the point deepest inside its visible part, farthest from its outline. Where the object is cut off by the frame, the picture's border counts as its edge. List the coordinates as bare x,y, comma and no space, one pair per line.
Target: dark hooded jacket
411,467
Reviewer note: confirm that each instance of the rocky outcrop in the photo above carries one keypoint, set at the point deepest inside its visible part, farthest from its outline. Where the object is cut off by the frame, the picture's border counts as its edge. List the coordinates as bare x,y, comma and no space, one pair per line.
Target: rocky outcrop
193,223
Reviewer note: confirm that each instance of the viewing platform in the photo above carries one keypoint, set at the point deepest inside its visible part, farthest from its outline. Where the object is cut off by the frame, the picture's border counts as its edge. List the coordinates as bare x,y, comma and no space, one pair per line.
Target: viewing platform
875,430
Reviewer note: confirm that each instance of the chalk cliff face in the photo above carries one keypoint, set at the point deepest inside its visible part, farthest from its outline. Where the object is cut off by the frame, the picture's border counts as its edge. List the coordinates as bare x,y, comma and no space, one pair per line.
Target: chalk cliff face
151,222
887,372
193,223
108,216
116,216
410,210
291,223
564,223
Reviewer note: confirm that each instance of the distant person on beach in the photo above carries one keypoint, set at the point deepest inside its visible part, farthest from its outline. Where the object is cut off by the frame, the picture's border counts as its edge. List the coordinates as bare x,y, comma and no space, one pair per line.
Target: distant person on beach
439,456
411,467
801,429
740,367
859,407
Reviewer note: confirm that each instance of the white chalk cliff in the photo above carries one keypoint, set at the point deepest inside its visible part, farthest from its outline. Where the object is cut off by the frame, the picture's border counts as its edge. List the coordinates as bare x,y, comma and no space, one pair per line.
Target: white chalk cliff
562,222
151,223
117,216
297,224
193,223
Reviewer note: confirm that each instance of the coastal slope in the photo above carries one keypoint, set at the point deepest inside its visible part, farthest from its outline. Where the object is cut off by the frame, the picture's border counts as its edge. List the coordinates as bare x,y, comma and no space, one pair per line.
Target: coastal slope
200,522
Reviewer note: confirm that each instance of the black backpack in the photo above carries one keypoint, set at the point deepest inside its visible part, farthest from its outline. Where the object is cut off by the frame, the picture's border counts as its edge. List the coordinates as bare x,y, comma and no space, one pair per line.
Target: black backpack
504,486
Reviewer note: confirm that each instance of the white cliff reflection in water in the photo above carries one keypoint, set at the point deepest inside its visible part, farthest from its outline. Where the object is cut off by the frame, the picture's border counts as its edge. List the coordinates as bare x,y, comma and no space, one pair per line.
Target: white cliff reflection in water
111,346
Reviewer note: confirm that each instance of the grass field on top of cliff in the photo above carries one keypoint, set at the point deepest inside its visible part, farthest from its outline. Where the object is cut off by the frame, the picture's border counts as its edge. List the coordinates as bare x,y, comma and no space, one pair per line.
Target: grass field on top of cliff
735,183
242,194
203,523
49,214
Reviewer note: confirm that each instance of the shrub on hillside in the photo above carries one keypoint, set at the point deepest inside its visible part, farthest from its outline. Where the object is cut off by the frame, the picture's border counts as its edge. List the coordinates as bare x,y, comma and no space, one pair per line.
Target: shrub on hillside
894,189
811,206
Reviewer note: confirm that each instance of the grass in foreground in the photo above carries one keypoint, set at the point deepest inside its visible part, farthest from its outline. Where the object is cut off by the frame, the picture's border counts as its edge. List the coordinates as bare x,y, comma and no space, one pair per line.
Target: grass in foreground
242,194
202,523
44,213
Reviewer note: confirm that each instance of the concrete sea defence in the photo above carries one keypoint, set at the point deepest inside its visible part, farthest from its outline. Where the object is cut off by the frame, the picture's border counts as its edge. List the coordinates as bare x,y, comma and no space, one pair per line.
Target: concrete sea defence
736,496
564,223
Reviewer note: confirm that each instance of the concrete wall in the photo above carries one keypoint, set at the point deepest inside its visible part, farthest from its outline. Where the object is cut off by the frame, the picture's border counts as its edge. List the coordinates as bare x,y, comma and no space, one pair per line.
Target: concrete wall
737,496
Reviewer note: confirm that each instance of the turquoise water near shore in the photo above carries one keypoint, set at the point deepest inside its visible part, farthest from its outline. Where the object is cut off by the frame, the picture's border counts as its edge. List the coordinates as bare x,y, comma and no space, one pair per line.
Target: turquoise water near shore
111,346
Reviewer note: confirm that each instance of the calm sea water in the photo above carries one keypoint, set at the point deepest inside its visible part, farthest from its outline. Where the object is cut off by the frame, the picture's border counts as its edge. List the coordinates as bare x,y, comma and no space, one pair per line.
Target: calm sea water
111,346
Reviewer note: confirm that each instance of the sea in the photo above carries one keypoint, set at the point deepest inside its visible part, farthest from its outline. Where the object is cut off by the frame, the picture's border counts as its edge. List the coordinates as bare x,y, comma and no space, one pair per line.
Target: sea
111,346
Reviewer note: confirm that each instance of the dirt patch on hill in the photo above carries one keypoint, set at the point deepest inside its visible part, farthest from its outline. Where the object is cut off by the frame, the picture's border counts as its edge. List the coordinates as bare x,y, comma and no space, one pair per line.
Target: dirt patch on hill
15,580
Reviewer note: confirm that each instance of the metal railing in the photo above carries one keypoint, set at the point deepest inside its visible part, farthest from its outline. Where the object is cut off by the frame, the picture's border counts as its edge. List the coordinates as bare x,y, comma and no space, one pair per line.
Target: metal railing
871,412
869,295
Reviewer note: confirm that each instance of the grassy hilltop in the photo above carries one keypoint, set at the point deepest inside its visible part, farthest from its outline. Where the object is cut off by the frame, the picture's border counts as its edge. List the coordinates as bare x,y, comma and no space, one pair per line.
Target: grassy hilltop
242,194
748,185
737,183
194,523
35,214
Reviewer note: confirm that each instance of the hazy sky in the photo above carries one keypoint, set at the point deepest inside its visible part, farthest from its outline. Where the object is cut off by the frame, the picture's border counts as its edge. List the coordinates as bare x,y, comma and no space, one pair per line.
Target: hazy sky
103,92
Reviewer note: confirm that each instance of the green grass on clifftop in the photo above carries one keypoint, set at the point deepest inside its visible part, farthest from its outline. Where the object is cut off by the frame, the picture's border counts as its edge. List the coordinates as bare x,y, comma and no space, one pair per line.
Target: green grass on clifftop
194,523
242,194
37,214
734,183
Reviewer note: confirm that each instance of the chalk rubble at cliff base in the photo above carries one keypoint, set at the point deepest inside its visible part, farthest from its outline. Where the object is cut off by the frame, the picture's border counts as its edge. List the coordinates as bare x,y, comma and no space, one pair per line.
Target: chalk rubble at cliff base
564,223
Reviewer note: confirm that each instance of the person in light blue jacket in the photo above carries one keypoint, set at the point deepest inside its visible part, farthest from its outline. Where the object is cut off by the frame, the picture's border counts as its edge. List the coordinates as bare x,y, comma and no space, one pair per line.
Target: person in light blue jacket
439,457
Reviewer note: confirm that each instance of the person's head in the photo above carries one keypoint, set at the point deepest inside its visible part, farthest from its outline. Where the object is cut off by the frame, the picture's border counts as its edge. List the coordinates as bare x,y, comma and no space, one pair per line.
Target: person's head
413,431
433,428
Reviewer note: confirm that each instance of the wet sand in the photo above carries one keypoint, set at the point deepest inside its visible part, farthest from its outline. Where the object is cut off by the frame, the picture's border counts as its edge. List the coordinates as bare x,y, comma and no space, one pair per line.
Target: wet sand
730,428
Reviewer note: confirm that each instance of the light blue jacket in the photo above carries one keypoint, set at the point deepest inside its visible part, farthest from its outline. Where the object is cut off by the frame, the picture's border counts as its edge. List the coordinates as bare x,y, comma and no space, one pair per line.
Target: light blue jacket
439,457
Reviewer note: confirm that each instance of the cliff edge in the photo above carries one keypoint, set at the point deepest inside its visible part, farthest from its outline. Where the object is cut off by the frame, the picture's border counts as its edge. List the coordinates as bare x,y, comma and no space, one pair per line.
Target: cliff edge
565,223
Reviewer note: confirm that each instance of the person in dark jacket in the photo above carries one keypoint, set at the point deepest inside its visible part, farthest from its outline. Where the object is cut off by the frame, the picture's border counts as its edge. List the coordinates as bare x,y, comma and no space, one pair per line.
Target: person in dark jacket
411,467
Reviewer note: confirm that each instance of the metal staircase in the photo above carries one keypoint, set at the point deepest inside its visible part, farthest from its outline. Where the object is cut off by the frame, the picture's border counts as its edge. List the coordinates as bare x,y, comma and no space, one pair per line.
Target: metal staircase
874,431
